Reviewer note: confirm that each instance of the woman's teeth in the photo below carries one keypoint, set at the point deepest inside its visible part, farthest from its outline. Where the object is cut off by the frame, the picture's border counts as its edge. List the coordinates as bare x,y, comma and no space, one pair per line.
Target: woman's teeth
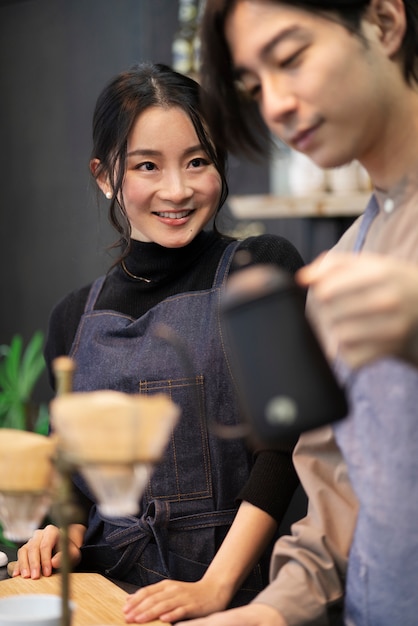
174,216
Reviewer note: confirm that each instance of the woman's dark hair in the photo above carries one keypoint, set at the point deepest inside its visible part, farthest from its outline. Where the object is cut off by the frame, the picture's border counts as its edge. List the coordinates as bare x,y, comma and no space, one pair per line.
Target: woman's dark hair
235,120
117,108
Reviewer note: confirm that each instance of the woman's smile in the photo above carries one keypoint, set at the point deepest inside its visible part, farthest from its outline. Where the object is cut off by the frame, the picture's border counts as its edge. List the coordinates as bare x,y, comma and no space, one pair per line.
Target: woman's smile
174,215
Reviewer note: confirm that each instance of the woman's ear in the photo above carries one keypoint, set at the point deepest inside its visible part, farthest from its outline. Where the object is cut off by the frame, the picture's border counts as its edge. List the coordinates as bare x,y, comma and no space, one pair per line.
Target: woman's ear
389,17
101,178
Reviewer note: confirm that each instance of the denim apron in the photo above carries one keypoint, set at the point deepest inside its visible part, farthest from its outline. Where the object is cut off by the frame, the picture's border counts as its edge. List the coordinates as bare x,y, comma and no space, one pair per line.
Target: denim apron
379,440
189,502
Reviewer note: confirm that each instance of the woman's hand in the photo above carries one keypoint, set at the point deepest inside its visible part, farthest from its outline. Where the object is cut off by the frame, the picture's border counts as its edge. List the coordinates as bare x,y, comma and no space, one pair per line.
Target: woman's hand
250,615
368,305
171,600
40,556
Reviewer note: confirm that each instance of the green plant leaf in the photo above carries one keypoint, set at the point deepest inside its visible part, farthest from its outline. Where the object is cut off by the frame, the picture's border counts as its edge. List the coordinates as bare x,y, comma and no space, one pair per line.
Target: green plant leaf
6,399
11,363
16,417
6,402
4,381
42,422
33,364
19,373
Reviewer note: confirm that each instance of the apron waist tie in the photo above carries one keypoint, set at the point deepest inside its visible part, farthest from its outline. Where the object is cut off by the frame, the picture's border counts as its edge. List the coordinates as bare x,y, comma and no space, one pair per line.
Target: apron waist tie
133,534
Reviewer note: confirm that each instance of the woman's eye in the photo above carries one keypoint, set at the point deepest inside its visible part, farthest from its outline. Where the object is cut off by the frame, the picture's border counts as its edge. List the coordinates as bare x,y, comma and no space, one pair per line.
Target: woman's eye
199,162
148,166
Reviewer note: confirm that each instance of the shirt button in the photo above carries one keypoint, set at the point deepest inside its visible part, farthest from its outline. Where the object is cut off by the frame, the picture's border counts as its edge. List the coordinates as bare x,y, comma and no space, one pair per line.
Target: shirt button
388,205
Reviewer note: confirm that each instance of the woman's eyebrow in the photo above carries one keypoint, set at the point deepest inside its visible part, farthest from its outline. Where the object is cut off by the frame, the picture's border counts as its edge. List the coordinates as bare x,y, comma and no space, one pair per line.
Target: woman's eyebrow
195,148
150,152
143,152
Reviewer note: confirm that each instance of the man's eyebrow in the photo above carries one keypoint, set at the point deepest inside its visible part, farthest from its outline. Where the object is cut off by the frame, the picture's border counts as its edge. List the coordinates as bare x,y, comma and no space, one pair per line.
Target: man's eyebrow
284,34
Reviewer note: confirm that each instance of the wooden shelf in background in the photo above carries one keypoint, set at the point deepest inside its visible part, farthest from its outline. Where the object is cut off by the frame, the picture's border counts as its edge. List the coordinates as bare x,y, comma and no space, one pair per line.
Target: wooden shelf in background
315,205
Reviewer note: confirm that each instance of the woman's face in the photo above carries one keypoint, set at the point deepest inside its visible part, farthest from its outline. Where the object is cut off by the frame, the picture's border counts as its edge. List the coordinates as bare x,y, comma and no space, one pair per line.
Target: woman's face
319,88
171,189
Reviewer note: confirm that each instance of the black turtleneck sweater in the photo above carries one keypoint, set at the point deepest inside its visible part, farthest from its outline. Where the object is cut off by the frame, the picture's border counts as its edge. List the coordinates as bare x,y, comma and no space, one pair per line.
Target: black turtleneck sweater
172,271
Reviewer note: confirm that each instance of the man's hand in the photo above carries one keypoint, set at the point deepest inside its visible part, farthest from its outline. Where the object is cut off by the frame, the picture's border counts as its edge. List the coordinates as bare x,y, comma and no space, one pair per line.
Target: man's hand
368,305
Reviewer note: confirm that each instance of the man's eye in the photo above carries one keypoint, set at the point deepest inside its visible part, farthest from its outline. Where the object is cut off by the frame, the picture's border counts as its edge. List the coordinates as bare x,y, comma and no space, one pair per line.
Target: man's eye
250,91
254,92
288,61
246,90
294,58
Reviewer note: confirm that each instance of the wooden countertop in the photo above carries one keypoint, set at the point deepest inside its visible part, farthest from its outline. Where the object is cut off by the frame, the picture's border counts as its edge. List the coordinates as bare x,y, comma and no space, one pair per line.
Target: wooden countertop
315,205
97,600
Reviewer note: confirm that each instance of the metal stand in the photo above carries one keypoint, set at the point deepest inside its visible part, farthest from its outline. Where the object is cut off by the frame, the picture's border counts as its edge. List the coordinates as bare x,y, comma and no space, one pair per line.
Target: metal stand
65,513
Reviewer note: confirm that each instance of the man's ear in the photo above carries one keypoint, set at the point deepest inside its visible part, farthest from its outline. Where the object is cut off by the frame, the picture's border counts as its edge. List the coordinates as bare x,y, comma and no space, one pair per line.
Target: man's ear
389,17
101,178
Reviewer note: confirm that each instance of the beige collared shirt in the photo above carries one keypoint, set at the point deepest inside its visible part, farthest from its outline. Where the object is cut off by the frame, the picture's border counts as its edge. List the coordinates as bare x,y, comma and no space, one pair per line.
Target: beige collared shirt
308,569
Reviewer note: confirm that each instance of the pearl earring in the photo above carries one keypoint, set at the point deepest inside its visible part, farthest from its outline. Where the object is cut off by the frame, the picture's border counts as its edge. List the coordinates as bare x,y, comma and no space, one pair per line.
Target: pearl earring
108,195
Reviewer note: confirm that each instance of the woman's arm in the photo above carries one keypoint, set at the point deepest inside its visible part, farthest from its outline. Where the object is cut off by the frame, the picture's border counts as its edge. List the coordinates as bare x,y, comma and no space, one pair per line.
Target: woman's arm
170,600
269,248
272,482
308,568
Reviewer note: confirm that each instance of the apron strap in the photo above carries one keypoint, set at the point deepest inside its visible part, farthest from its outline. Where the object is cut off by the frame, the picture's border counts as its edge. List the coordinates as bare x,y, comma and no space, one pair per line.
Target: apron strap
225,263
370,213
94,294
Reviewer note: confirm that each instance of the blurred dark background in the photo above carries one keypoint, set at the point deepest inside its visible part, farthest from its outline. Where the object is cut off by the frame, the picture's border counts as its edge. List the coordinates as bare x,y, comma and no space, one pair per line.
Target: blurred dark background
55,58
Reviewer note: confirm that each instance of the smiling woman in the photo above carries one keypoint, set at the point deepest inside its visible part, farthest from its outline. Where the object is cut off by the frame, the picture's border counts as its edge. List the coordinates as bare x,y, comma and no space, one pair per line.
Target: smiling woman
202,536
158,158
171,188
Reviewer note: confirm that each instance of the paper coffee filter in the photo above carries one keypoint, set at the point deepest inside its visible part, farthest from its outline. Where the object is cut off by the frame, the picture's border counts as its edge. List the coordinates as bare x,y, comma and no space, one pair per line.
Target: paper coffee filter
111,426
26,460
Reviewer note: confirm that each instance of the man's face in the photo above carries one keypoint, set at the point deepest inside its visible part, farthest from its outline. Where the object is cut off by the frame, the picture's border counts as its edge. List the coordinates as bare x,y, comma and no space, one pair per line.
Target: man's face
320,88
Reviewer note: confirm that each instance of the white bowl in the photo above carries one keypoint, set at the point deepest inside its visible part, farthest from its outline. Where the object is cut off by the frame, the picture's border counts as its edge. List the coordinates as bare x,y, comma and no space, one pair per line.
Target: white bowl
31,610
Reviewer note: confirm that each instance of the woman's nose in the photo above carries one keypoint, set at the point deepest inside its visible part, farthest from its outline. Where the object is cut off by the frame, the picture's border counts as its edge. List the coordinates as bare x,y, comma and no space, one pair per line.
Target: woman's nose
175,188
